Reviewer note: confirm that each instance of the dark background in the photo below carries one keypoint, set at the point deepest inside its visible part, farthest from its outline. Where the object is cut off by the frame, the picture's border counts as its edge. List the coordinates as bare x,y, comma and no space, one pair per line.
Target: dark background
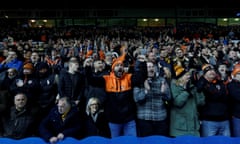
113,4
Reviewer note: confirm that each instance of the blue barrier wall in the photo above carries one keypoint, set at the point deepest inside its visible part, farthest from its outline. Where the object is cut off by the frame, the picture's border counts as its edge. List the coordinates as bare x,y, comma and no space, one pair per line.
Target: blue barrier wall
131,140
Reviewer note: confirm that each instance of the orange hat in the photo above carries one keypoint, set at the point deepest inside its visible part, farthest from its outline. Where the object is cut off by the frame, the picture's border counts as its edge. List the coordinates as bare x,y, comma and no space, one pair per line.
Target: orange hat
179,71
206,68
118,60
89,53
28,66
236,69
101,55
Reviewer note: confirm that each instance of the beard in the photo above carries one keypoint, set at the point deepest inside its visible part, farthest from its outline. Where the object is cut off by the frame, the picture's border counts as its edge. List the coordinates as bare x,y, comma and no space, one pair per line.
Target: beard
119,73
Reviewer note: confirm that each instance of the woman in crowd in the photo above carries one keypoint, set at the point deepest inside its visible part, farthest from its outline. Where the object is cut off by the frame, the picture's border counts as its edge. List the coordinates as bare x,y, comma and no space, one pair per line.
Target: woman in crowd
184,106
97,124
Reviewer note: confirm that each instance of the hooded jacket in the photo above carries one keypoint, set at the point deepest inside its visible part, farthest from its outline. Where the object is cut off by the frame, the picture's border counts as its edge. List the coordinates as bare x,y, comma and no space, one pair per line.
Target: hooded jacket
120,106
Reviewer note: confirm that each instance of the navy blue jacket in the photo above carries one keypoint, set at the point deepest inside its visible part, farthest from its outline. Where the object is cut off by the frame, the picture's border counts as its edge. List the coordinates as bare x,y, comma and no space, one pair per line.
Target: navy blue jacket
52,125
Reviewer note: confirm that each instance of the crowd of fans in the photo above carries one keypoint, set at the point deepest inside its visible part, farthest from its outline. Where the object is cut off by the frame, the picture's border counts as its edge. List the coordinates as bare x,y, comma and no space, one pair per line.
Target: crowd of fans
110,82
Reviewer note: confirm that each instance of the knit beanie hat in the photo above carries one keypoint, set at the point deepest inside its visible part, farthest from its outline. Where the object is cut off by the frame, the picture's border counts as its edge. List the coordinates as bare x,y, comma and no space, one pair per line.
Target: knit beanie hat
28,66
236,69
118,60
179,71
206,68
